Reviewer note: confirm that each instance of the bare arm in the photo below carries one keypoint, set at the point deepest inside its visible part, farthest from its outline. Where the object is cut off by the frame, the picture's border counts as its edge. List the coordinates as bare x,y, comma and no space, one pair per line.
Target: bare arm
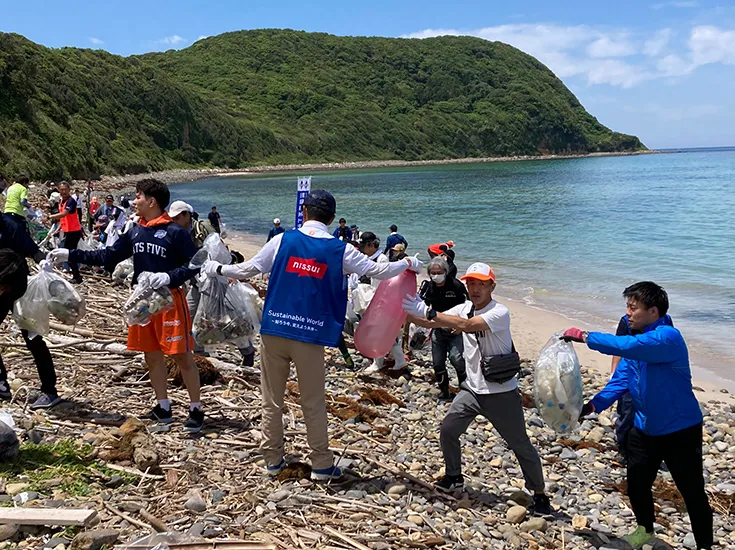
615,361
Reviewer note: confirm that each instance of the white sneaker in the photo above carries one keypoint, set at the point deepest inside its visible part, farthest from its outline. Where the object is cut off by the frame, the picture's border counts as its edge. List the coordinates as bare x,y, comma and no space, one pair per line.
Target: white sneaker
372,368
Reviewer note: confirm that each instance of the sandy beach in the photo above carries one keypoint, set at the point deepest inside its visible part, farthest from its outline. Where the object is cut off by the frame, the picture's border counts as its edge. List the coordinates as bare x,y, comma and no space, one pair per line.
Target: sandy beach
532,327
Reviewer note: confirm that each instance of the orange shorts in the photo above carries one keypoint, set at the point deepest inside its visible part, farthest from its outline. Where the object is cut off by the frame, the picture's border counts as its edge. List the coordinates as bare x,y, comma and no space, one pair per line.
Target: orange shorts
168,331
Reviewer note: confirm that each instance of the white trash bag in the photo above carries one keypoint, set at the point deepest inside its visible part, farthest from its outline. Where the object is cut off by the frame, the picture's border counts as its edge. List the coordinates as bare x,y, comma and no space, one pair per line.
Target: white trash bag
122,270
557,387
212,249
48,294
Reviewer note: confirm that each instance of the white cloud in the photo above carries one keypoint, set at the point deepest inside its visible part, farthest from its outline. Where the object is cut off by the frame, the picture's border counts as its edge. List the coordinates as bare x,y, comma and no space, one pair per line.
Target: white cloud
172,40
655,45
95,41
610,46
680,4
202,37
594,53
712,45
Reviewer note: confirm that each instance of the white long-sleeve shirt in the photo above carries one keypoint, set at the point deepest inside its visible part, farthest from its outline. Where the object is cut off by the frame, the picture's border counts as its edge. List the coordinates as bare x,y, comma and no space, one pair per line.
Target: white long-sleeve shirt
353,260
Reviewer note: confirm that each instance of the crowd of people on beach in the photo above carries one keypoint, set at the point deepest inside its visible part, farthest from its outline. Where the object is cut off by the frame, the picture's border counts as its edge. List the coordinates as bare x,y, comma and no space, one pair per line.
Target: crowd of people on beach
320,285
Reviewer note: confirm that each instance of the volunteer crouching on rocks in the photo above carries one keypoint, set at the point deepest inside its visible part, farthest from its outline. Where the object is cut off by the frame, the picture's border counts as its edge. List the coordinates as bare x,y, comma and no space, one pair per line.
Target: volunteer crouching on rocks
491,387
160,246
304,311
16,245
668,421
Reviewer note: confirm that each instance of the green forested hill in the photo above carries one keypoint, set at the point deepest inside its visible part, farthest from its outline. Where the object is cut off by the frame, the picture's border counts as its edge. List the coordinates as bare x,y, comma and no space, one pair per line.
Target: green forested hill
273,96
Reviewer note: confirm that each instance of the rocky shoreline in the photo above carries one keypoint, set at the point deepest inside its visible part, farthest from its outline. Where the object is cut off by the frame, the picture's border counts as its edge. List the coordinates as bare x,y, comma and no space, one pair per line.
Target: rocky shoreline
184,175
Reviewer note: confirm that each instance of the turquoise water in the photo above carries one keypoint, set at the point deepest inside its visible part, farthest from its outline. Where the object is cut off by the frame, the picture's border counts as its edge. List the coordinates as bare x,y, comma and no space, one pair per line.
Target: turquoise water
565,235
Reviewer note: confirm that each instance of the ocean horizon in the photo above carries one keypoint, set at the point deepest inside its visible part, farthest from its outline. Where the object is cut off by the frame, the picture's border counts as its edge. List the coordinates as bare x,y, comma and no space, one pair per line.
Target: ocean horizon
564,235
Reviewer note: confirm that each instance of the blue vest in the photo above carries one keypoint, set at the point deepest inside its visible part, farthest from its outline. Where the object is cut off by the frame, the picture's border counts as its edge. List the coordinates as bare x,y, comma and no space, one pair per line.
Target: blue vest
307,290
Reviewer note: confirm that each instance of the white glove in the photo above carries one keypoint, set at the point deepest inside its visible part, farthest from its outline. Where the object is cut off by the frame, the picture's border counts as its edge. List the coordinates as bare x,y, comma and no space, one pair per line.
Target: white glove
414,264
58,255
210,268
158,280
46,265
413,305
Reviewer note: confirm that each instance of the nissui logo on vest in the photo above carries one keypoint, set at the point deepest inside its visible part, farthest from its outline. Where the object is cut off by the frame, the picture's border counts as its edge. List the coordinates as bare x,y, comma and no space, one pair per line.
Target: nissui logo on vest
306,268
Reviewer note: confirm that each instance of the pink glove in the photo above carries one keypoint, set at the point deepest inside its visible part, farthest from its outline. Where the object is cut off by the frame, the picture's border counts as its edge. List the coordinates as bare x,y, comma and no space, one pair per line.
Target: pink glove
574,335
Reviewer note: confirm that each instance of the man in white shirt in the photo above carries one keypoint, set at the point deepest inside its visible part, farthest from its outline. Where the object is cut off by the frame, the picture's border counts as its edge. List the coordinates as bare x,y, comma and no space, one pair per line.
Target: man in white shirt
485,328
304,311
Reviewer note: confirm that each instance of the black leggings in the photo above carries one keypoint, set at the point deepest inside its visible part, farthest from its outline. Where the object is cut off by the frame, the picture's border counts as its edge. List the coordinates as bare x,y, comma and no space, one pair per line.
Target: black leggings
682,452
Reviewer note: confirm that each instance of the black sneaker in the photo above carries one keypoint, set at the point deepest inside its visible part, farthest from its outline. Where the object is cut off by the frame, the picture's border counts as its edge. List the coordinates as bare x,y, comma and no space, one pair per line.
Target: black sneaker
76,280
541,506
159,414
445,396
195,421
5,391
45,401
449,484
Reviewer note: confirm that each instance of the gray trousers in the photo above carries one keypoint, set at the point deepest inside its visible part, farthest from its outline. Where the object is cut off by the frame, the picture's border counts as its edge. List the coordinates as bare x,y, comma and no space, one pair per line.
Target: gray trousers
505,413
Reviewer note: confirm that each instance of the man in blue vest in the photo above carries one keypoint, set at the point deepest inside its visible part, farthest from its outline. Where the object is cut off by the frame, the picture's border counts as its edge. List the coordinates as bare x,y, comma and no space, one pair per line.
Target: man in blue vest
304,311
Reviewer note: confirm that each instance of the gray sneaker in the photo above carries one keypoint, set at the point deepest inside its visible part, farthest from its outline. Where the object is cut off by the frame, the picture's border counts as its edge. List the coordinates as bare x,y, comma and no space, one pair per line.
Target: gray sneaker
45,401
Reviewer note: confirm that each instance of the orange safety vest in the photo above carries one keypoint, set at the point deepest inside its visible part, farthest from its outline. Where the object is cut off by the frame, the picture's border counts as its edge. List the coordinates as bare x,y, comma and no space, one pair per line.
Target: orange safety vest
70,222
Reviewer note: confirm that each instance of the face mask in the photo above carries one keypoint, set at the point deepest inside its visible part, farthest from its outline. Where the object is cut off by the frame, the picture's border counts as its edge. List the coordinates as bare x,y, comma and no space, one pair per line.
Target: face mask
439,279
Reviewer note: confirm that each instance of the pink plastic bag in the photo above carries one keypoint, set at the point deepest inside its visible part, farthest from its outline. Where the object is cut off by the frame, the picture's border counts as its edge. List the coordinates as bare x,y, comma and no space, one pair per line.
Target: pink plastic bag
376,333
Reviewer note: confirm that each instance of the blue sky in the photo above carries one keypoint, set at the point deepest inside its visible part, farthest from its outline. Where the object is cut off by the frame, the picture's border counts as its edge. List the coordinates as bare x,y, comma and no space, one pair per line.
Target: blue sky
663,70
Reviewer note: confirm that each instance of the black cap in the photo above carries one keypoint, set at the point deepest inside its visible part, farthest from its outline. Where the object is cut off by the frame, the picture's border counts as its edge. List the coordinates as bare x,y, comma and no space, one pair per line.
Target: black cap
321,199
368,237
109,198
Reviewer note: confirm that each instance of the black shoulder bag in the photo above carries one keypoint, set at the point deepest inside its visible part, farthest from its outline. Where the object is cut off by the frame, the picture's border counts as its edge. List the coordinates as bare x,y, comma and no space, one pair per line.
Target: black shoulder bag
498,368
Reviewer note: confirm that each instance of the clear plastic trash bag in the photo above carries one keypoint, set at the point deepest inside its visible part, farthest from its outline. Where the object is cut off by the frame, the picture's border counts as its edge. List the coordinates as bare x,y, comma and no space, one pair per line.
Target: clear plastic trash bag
65,303
557,385
122,270
145,301
89,244
212,249
225,314
48,294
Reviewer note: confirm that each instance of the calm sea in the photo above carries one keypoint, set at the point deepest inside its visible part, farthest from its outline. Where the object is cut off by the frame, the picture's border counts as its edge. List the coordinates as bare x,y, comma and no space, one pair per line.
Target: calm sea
563,235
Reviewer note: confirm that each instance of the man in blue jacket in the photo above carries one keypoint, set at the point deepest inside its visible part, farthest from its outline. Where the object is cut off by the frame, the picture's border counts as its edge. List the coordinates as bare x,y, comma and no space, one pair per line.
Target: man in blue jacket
654,369
393,239
164,248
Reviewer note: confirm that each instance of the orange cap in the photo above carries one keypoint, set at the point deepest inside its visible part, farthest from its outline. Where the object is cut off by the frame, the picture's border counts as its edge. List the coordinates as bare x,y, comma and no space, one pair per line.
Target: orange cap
479,271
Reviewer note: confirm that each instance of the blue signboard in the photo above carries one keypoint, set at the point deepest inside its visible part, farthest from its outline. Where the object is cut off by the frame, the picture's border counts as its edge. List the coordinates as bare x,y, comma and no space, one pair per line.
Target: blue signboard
302,189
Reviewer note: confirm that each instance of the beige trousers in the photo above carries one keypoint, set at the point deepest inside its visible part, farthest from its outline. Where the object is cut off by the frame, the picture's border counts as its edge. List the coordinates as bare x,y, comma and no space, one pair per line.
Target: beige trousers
276,356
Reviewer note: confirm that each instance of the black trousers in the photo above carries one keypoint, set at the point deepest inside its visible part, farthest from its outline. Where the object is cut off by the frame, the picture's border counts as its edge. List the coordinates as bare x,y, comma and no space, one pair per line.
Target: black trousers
624,423
71,240
682,452
39,350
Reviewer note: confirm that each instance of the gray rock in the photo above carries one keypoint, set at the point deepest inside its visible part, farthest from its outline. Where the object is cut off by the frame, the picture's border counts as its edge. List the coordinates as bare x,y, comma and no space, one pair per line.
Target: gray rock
726,487
534,524
721,446
9,443
521,498
217,496
35,437
689,541
94,539
10,532
56,541
195,503
568,454
114,482
196,529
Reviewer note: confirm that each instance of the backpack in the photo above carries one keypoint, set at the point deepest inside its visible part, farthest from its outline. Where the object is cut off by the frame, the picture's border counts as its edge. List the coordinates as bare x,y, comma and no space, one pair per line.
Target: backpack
199,232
